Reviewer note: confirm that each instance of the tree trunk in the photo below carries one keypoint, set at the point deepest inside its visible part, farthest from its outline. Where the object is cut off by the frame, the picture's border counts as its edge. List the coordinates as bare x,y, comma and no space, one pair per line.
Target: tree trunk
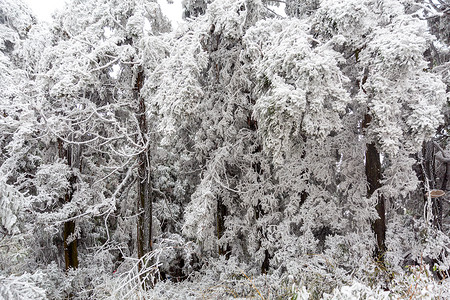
144,202
430,154
437,204
70,247
70,242
373,175
220,219
429,164
253,125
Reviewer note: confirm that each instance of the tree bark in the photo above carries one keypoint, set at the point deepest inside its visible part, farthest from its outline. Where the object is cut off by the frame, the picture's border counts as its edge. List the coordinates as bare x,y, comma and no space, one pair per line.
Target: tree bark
253,125
144,201
70,248
69,242
429,164
220,219
373,175
437,202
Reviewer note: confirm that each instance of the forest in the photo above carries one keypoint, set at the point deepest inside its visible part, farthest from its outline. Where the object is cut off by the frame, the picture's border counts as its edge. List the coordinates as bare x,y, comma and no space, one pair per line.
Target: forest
244,154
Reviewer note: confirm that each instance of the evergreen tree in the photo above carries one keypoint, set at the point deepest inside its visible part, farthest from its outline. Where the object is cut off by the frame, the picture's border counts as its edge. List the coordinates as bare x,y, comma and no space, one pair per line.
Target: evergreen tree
242,154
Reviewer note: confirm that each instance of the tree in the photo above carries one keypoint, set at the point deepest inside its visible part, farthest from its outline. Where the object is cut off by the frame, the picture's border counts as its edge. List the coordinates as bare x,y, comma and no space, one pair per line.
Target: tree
105,105
17,121
240,145
306,101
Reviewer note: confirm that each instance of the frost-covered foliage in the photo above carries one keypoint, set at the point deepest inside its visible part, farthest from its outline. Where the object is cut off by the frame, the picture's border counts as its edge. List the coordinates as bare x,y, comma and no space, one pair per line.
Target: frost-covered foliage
194,8
15,22
10,204
251,133
20,287
301,87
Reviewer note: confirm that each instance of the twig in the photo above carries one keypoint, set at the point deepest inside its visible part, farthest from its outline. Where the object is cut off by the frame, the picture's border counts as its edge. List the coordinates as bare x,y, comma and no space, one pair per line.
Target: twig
253,285
106,65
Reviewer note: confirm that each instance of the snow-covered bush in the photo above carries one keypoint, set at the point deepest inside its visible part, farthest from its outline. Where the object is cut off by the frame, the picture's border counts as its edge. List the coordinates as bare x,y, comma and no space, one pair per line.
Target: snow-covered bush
21,287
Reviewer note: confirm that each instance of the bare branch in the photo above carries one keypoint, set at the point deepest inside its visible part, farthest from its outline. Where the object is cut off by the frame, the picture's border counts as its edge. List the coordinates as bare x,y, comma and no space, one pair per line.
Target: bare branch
106,65
442,158
441,155
273,12
439,148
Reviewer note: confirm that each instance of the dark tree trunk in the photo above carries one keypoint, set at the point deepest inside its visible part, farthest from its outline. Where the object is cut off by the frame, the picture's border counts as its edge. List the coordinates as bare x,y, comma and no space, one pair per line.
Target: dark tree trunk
373,175
266,263
437,202
70,248
220,227
437,214
259,213
70,242
429,164
253,125
430,154
144,202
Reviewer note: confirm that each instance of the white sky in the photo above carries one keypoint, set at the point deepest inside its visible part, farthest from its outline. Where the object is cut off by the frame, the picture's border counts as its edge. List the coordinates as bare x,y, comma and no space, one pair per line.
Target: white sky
173,11
43,9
